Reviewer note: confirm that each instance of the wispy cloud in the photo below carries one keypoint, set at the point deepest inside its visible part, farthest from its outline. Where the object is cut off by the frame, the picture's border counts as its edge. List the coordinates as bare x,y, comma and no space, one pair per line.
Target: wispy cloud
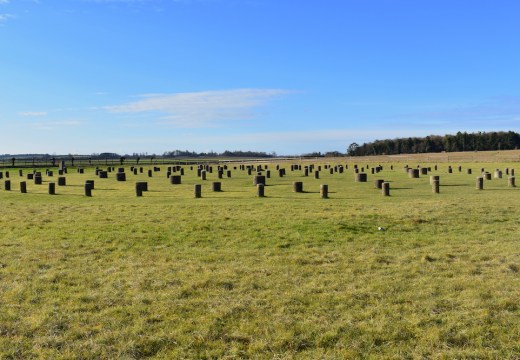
53,125
201,109
119,1
67,123
5,17
33,113
139,1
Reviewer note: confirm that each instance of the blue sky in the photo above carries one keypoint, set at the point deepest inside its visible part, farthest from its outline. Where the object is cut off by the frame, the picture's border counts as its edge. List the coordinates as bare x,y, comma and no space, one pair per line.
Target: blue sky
284,76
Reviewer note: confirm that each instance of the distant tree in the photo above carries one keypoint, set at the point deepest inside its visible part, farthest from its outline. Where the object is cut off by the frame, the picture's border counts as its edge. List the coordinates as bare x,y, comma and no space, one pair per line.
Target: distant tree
352,149
333,154
106,155
313,154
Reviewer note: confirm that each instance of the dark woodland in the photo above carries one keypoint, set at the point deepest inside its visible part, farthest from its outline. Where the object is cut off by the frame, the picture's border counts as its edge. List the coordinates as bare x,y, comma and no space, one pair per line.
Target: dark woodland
462,141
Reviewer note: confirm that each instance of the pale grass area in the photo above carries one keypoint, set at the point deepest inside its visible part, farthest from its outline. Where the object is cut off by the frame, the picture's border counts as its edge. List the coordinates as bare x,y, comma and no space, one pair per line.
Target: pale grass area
287,276
443,157
452,157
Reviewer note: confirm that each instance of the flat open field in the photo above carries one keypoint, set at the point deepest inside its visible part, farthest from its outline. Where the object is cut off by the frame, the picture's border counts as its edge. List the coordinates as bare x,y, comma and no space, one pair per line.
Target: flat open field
291,275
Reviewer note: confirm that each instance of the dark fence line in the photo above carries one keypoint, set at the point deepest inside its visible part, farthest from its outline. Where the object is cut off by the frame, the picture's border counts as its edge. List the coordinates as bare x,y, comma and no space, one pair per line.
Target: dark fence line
87,162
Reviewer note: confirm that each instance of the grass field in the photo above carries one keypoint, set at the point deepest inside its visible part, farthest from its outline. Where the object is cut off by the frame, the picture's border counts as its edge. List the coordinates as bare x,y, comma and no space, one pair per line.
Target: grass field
288,276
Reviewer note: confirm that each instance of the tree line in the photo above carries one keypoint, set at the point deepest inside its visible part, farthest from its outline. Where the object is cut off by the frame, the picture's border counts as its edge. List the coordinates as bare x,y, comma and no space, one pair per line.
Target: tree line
167,154
227,153
462,141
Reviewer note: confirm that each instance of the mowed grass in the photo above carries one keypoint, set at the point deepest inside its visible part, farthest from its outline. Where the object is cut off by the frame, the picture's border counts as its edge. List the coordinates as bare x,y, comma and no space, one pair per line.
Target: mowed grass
291,275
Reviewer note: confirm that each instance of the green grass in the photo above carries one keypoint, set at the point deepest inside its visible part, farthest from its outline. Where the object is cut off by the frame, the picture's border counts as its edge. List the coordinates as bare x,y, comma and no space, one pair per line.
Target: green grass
287,276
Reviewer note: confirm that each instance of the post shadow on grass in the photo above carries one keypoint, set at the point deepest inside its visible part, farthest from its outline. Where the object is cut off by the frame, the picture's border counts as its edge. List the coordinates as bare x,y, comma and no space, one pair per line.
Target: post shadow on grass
398,188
